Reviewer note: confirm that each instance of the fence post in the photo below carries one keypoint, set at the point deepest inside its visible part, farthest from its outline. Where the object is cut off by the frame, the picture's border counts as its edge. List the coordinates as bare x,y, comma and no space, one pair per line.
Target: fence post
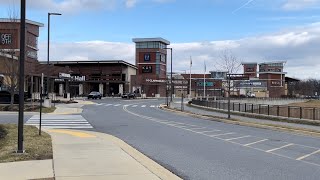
245,107
314,113
288,111
268,109
300,112
259,108
278,109
252,108
239,107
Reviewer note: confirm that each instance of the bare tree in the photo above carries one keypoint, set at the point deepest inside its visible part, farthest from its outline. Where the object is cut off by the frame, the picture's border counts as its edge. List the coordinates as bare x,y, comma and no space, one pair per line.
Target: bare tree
8,58
228,62
231,64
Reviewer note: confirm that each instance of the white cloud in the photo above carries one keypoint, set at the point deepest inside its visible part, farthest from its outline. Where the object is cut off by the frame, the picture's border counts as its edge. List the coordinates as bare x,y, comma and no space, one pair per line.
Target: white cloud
300,4
130,3
299,47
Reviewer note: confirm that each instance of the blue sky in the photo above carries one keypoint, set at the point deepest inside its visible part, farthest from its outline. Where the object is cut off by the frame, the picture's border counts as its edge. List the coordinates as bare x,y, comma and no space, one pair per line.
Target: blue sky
253,30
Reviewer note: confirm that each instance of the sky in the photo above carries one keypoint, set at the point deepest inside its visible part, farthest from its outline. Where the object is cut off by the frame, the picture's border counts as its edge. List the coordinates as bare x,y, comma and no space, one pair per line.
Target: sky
252,30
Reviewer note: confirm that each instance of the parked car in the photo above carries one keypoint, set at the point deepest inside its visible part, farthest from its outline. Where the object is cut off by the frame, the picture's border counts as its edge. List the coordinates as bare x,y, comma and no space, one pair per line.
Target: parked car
94,95
129,95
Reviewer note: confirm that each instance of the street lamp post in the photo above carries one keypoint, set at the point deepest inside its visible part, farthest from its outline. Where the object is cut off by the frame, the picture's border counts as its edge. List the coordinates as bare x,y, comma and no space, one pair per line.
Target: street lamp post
21,75
171,91
48,50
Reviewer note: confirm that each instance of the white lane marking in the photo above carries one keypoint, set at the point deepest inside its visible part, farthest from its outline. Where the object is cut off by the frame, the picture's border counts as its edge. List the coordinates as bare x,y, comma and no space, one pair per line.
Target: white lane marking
143,106
216,135
99,104
66,127
198,128
203,132
44,120
117,105
305,156
152,106
108,105
280,147
237,138
255,142
134,106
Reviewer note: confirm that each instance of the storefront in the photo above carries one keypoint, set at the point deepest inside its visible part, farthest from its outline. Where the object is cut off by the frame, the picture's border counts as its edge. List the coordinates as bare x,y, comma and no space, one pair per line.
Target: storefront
107,77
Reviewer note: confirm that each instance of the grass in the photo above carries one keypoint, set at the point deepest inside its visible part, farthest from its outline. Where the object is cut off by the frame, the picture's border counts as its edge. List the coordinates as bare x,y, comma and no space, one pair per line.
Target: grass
46,110
310,103
28,108
36,147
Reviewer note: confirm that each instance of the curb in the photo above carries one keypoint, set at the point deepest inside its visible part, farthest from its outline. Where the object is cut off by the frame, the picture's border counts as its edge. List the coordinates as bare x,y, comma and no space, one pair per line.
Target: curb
151,165
250,124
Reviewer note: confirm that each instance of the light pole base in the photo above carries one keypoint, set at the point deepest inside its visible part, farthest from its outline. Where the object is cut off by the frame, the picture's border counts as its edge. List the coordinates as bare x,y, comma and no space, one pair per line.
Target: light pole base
47,103
20,152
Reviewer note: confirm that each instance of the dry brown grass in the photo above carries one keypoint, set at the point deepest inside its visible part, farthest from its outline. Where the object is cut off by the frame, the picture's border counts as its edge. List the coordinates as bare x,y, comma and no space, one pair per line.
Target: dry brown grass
36,147
310,103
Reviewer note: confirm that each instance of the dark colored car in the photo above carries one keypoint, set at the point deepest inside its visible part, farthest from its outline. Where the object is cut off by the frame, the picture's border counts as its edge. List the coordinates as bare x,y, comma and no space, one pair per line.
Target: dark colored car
94,95
129,95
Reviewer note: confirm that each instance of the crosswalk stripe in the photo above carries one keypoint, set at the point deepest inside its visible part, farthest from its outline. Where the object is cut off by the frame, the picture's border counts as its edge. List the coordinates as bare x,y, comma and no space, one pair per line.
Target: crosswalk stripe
152,106
60,121
143,106
134,105
117,105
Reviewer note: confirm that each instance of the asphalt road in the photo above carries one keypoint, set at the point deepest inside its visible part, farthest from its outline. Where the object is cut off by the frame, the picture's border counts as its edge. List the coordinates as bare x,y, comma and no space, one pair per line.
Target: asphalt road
11,118
194,148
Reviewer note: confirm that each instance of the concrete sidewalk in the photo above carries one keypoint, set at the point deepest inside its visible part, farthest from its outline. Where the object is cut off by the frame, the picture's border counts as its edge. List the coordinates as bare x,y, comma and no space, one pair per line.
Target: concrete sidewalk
87,155
72,108
204,111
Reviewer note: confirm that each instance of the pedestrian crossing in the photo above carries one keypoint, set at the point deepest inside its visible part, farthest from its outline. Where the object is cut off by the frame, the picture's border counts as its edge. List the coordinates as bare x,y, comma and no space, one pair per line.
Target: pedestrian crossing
60,122
127,105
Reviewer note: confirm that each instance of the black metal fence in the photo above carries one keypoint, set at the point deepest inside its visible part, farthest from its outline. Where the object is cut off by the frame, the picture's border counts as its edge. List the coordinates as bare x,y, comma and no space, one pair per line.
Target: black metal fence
264,109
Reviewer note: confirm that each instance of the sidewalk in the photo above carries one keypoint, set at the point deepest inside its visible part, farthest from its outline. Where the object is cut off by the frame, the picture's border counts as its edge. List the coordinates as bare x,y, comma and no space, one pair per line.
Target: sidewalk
72,108
87,155
203,111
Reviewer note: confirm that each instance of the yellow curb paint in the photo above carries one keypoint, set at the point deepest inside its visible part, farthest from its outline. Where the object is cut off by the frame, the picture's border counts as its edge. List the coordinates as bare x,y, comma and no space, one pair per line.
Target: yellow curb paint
73,133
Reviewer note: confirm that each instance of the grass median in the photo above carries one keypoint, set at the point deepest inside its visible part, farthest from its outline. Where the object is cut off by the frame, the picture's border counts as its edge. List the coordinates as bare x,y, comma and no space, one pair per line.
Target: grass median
36,147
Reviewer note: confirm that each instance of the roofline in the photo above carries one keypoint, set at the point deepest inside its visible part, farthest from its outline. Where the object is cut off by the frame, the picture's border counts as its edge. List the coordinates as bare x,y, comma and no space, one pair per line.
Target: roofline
7,20
244,63
273,62
157,39
272,72
218,71
91,62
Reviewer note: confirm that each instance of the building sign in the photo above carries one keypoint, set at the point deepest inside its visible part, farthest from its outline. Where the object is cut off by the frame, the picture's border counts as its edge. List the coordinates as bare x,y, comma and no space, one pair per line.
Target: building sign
276,83
156,80
5,38
146,57
176,82
64,76
78,78
208,84
147,69
250,84
249,69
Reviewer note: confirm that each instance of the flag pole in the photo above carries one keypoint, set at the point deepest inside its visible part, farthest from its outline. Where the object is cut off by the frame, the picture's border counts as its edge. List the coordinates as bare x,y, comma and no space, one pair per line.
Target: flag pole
190,78
204,80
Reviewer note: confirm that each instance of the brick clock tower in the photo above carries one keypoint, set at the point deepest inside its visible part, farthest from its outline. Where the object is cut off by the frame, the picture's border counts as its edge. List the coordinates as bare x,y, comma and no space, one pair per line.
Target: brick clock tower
151,60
